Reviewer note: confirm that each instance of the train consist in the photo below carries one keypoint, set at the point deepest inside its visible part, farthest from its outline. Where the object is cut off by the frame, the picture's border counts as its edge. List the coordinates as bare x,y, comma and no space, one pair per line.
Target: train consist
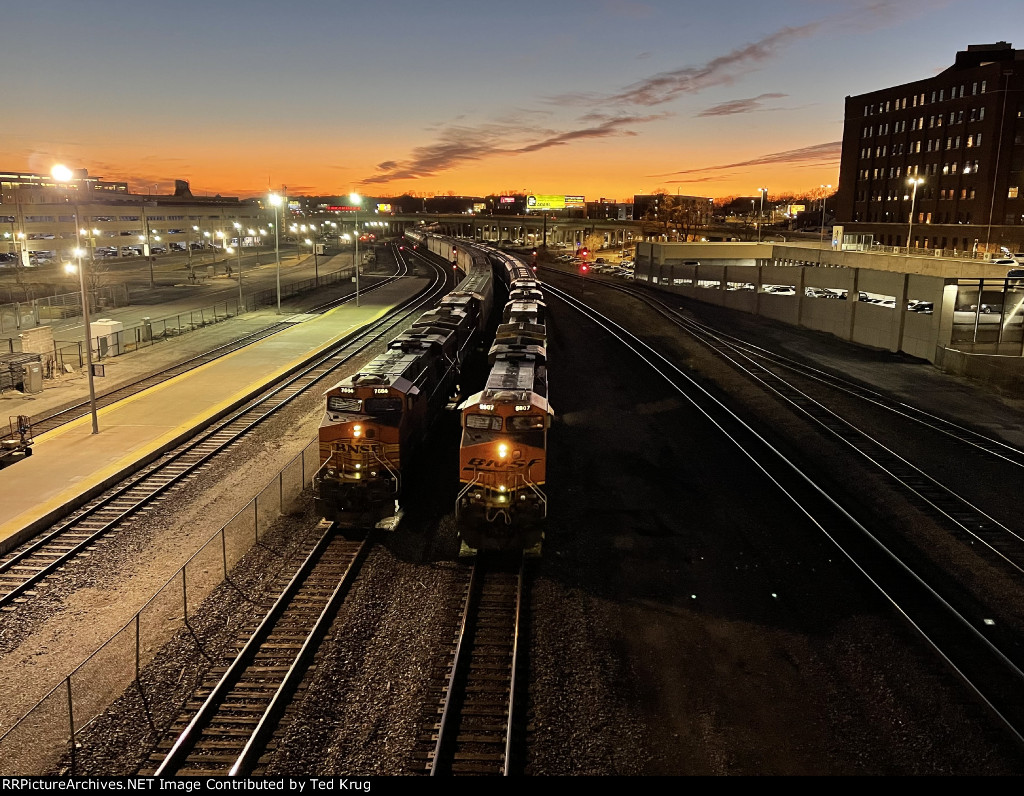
376,419
503,452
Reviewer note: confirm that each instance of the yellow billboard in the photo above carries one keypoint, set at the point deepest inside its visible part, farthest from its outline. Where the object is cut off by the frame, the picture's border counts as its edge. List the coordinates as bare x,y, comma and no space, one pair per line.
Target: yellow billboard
551,201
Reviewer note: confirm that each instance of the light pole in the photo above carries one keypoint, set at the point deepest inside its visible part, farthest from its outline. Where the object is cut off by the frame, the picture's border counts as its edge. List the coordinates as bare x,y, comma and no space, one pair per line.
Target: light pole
914,181
238,228
259,241
760,219
821,234
275,200
88,336
356,200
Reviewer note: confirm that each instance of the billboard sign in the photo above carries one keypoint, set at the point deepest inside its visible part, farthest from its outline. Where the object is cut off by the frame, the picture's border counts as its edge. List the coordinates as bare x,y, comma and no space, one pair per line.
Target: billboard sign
343,208
545,201
479,207
507,200
383,208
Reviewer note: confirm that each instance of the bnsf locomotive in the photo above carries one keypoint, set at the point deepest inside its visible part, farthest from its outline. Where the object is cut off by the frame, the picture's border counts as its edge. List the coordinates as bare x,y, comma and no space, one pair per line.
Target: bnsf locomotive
503,453
376,418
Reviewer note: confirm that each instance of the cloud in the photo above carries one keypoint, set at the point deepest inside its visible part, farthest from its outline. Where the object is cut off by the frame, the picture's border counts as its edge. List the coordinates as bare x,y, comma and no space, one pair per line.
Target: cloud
461,144
666,86
748,105
457,144
817,154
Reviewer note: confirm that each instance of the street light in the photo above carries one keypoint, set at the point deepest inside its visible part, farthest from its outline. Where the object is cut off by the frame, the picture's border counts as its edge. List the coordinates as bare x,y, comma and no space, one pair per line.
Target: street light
238,232
88,335
356,200
275,200
760,219
821,234
914,181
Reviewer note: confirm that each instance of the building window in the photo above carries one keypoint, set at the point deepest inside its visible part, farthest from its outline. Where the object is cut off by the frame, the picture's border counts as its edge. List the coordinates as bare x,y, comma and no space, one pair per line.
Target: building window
983,84
1012,193
981,113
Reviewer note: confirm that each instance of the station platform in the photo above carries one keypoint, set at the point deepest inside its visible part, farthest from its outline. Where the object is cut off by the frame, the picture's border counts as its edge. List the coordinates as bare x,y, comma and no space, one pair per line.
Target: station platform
70,465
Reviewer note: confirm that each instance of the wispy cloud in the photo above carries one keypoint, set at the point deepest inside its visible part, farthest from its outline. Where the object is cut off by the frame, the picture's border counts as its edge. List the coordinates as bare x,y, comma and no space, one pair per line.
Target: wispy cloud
723,70
749,105
818,154
458,144
462,144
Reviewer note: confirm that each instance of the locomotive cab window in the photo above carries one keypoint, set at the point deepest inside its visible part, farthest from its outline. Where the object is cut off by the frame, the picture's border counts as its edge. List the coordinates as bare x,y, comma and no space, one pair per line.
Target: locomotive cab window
383,406
526,422
338,403
485,422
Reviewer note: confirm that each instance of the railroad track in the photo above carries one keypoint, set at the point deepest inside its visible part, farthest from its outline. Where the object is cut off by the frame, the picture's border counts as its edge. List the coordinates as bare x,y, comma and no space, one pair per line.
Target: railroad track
986,654
774,374
25,567
230,721
475,719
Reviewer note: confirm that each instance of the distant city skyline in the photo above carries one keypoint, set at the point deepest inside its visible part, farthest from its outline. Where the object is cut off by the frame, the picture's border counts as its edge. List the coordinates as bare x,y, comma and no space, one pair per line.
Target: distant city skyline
604,99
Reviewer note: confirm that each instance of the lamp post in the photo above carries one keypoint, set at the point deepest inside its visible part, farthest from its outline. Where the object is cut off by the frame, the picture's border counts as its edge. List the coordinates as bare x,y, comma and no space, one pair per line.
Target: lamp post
821,234
88,336
760,214
259,241
191,269
238,228
913,181
275,200
356,200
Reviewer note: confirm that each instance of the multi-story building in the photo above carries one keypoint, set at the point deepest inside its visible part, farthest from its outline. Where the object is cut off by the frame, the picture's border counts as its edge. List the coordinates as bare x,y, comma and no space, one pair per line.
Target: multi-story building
940,160
44,219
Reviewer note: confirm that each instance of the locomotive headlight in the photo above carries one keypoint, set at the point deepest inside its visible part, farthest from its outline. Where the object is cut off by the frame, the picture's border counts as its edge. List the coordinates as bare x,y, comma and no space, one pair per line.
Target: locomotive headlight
359,466
502,451
501,489
357,430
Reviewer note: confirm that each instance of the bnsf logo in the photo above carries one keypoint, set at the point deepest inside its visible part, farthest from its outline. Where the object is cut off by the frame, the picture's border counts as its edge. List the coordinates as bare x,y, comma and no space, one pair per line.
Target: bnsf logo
363,448
490,464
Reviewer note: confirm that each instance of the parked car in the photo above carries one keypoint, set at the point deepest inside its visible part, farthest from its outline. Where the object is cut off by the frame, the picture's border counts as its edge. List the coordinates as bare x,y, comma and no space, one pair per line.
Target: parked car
157,250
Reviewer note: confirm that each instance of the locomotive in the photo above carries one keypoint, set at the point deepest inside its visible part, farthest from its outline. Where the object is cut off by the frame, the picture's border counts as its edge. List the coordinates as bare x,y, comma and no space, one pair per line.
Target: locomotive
502,504
376,419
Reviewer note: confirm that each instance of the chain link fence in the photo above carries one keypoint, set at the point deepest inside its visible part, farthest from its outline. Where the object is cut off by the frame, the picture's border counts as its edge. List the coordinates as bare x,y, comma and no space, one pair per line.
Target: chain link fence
152,331
46,734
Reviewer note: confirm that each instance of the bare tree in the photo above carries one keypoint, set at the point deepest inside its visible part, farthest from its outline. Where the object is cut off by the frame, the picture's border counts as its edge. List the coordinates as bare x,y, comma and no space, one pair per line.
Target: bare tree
593,241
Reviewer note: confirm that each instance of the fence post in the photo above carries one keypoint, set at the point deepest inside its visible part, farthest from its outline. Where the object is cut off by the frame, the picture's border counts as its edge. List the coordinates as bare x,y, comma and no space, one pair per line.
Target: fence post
137,644
256,518
280,492
71,725
224,551
184,593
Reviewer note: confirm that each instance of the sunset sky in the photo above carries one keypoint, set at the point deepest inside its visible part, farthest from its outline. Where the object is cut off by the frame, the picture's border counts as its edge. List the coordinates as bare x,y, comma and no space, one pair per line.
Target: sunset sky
593,97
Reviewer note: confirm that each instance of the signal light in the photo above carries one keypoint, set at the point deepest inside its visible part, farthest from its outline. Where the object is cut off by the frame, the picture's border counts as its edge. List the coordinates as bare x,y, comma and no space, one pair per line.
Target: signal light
583,268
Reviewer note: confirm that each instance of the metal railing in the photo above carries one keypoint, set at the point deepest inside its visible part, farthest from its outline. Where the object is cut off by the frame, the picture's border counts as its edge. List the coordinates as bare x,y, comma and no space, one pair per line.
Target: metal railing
49,732
38,312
